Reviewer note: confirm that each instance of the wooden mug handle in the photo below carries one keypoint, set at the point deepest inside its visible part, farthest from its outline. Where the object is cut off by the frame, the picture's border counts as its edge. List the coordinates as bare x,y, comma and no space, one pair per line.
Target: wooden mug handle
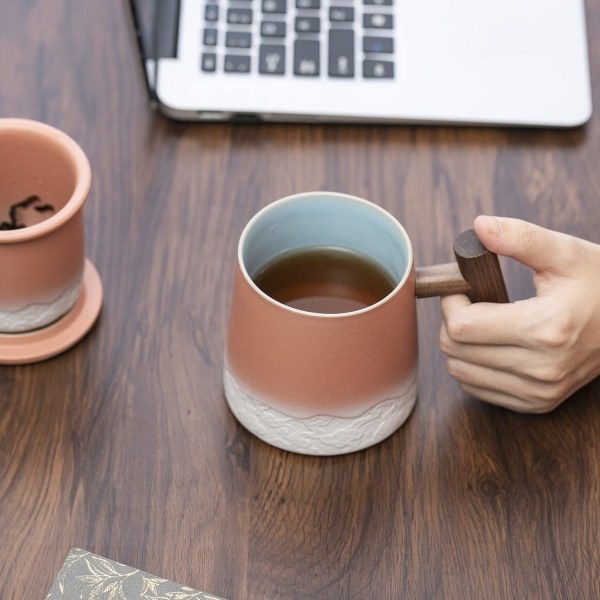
476,273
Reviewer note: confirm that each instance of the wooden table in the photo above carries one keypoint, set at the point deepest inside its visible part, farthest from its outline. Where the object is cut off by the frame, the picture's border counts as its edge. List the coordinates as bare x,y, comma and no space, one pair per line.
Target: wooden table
124,445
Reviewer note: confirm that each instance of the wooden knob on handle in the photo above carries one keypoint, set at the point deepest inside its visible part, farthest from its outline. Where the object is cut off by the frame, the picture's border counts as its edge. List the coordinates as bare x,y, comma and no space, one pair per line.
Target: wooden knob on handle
476,273
480,269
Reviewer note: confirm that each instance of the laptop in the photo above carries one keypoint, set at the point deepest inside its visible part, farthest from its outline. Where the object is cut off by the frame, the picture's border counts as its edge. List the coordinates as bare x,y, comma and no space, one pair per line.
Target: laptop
485,62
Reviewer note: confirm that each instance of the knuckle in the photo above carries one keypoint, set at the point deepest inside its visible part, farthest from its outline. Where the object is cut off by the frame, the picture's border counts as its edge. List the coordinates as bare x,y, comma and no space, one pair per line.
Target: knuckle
525,234
453,368
547,397
560,391
557,331
444,341
456,328
552,373
570,252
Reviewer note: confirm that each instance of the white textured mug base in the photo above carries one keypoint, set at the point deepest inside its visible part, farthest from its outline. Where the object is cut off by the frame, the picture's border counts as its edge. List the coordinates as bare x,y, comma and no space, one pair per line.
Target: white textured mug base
35,316
34,346
320,435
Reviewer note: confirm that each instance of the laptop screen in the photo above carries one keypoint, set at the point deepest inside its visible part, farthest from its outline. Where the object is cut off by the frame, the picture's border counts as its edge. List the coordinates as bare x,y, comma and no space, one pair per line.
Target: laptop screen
156,24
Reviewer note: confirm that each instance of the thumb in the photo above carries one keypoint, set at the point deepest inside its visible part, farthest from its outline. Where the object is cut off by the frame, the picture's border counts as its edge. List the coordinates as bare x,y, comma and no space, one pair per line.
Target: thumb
530,244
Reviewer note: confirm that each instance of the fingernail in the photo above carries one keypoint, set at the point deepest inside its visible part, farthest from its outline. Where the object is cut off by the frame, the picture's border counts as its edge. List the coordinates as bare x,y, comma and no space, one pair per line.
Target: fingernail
492,224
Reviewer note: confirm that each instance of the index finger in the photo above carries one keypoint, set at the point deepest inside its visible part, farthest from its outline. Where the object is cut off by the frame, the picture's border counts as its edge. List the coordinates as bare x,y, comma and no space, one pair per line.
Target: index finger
487,323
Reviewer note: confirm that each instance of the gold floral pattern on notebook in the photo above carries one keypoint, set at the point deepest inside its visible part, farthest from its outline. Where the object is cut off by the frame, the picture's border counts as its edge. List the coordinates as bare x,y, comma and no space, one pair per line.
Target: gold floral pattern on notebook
87,576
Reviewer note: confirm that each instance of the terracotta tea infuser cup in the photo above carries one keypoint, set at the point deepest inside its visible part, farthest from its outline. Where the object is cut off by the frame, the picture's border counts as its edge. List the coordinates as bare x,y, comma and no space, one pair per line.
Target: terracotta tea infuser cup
50,294
322,383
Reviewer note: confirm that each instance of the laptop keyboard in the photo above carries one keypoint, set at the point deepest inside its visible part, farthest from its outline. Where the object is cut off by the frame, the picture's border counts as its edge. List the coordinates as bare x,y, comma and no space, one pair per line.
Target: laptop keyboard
301,38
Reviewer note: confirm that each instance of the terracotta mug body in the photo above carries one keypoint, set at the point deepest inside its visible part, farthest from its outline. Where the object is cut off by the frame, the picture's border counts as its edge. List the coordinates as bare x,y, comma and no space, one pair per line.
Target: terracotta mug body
313,383
41,265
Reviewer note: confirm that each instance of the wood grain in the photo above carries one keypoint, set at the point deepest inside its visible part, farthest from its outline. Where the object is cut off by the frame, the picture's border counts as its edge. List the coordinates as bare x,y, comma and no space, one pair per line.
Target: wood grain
124,445
481,269
476,273
440,280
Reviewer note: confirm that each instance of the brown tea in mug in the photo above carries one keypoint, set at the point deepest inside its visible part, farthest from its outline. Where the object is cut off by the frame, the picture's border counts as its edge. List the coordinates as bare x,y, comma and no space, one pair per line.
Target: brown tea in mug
325,279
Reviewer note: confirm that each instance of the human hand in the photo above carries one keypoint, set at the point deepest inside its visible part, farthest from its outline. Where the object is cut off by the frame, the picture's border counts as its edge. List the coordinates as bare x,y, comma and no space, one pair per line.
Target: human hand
529,355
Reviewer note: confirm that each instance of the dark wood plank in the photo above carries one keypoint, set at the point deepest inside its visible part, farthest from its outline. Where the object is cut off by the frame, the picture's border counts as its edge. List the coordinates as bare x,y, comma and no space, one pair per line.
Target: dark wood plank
124,445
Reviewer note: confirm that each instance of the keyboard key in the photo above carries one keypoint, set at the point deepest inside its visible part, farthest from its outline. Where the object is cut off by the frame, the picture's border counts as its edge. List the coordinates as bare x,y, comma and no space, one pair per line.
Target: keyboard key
378,45
238,39
308,24
378,21
209,62
378,69
211,12
275,29
307,58
274,6
210,37
271,59
237,64
377,2
341,13
341,53
239,16
314,4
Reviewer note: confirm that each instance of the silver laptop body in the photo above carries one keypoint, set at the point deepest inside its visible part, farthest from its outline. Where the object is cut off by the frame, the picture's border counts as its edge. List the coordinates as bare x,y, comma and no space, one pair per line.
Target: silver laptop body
495,62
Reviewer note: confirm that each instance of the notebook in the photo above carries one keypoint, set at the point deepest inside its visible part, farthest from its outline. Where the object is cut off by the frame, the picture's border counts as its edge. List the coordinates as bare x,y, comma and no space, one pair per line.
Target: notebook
498,62
88,576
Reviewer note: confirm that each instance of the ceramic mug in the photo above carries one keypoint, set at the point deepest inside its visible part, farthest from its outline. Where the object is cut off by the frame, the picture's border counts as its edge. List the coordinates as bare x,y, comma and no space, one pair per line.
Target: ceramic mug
45,179
318,383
